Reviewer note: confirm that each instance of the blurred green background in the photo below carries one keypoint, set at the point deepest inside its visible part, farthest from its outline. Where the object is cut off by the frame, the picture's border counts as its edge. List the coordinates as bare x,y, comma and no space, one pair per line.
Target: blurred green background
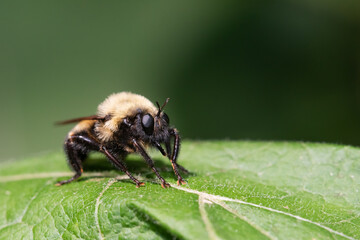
257,70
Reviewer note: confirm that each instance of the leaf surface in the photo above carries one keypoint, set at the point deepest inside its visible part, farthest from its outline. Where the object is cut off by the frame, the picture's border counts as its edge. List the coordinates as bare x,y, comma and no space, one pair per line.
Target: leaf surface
236,190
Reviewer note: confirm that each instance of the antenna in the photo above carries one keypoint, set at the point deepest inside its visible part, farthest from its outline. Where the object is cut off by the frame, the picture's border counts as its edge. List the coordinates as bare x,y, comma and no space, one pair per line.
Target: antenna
162,107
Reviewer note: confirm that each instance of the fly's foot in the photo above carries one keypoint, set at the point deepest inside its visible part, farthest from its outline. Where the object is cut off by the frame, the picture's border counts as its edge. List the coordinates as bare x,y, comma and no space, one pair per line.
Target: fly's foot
60,183
165,185
76,176
139,184
63,182
180,181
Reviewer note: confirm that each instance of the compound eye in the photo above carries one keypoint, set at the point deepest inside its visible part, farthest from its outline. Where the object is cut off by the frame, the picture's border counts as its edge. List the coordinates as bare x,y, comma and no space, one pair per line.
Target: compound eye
147,122
166,118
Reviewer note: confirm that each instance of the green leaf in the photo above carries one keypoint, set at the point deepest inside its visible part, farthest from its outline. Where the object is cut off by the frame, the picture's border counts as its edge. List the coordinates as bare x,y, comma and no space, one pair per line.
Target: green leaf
236,190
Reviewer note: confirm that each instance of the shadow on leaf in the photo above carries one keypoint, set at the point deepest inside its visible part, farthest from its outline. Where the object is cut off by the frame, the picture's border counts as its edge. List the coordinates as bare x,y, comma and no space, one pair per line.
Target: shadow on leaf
160,229
136,166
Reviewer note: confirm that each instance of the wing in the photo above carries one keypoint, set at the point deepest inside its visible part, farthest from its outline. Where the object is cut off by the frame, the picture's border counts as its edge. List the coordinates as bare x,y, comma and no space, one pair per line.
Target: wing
93,117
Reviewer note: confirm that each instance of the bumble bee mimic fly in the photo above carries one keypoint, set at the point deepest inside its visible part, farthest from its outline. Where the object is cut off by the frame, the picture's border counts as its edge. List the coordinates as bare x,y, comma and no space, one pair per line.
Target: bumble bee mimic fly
125,123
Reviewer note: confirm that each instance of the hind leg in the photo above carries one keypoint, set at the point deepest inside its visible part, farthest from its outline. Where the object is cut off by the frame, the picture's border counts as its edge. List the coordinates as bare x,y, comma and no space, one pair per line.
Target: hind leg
76,148
75,158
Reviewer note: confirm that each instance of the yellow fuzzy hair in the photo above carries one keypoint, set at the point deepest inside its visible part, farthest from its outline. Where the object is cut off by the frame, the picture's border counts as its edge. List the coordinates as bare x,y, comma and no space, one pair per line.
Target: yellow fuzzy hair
82,126
119,106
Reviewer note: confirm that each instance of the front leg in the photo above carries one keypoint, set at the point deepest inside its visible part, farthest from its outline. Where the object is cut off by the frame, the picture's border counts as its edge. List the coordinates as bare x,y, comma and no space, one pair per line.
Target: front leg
150,162
175,165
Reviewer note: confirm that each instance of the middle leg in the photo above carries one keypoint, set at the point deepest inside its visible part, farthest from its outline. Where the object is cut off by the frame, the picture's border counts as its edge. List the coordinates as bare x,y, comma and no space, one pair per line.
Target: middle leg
120,165
150,162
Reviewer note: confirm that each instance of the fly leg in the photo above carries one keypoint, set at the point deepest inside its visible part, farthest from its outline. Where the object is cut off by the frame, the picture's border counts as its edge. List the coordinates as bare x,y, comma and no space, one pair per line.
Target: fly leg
175,152
150,162
73,148
120,165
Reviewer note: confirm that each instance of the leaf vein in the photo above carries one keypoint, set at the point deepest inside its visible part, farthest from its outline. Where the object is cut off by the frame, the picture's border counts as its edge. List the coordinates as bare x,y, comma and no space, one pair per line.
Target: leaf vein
215,198
20,218
209,228
244,218
97,204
